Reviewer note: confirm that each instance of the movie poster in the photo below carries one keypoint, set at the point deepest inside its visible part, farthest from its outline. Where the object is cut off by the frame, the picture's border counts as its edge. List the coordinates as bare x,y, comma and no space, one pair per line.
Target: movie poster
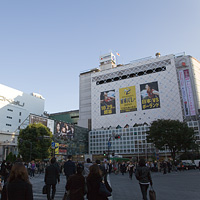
127,98
107,102
150,95
64,131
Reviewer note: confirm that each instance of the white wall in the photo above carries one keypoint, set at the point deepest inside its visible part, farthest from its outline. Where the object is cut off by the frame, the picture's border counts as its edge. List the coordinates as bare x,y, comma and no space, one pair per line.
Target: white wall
15,107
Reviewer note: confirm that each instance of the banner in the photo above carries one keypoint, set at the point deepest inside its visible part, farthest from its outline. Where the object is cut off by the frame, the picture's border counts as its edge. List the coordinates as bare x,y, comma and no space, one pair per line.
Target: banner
56,148
107,102
189,92
64,131
184,93
127,98
149,95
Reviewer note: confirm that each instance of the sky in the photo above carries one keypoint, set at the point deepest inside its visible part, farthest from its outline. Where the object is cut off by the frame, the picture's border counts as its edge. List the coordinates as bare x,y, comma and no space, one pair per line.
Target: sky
46,44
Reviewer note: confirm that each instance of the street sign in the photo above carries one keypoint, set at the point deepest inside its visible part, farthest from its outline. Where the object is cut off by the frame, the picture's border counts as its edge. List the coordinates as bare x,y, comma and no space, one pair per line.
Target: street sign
53,144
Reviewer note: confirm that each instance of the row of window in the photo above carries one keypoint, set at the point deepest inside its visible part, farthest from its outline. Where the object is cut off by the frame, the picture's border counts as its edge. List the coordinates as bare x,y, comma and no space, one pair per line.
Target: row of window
20,113
136,74
11,118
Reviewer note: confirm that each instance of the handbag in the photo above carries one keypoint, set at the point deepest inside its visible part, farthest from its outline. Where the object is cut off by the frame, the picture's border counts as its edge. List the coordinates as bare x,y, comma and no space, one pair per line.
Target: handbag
103,191
152,194
66,195
44,189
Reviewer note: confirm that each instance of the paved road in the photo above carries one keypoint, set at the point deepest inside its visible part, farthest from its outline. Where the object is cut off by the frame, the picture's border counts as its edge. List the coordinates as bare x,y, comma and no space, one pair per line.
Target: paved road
174,186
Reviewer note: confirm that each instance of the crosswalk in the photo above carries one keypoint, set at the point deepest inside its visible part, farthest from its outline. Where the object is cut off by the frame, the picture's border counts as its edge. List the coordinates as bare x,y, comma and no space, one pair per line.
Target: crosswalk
38,183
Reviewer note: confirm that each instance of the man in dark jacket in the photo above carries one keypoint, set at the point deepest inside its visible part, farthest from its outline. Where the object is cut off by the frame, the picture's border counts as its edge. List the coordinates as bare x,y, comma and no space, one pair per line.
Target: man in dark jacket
76,184
144,177
51,177
69,167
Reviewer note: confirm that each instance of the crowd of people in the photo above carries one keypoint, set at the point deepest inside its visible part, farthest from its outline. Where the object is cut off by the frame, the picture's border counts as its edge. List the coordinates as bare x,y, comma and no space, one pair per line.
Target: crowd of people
82,179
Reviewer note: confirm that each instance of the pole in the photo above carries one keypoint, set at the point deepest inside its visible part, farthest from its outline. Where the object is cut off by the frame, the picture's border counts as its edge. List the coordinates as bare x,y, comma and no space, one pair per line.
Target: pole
30,150
108,157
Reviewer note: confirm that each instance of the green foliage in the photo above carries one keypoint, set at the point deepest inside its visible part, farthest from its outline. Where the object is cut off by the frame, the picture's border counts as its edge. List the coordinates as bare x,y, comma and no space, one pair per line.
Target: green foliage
11,157
173,134
32,141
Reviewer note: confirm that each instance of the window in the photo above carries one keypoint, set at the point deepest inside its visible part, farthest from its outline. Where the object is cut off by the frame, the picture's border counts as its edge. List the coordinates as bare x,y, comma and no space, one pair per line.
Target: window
8,125
19,120
20,113
10,110
9,117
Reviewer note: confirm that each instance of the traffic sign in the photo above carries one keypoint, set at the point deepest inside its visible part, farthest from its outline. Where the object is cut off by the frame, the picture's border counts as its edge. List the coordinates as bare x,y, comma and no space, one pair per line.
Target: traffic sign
53,144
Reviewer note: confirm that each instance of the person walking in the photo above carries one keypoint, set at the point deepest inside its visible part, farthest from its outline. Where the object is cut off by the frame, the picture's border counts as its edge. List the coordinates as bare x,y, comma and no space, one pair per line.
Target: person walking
130,169
18,186
69,167
51,178
93,184
76,184
123,168
144,177
87,166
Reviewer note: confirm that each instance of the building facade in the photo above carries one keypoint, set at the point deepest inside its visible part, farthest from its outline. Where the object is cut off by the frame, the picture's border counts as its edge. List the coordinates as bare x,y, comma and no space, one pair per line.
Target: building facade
164,87
15,108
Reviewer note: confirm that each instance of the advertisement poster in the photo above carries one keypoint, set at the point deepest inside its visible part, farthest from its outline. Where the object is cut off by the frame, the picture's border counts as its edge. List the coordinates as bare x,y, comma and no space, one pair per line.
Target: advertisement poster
107,102
56,148
184,93
64,131
37,119
189,92
149,95
127,98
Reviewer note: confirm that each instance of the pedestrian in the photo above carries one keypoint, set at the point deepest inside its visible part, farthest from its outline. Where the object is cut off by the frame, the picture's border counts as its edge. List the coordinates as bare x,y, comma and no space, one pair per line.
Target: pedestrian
144,177
33,166
18,186
123,168
76,184
93,184
69,167
51,178
102,168
87,166
130,169
4,171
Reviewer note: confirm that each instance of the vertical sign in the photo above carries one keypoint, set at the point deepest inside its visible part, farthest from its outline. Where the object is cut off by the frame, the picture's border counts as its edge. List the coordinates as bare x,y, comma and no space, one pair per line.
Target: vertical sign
189,92
184,93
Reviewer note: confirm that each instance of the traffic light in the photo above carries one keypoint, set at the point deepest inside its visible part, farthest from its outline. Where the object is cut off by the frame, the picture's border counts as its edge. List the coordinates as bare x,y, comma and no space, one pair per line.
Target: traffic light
117,136
104,153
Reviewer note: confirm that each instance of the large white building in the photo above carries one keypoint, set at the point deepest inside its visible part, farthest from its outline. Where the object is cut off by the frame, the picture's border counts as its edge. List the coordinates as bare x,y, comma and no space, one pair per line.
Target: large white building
15,108
164,87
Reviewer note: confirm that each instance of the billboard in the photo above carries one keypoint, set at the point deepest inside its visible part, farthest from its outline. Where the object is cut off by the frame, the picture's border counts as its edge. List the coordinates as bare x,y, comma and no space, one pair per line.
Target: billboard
64,131
189,92
184,93
107,102
149,95
127,98
37,119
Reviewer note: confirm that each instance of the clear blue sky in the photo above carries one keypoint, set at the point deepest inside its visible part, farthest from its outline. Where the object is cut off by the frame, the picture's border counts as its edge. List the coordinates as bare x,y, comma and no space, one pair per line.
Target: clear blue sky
45,44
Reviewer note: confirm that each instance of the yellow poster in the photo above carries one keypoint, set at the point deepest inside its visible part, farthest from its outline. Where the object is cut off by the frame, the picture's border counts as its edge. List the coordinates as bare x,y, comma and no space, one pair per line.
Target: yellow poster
56,148
127,98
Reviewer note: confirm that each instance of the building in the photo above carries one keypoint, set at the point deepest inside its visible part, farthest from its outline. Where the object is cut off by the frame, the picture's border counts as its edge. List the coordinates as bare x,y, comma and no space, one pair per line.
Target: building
113,96
68,116
15,108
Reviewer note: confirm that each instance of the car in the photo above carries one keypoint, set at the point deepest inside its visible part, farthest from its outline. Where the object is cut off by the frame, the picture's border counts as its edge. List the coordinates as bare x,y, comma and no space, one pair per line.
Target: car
187,166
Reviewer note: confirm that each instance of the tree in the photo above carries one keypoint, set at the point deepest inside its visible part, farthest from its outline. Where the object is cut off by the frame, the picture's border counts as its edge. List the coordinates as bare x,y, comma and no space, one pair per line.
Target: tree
34,142
173,134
